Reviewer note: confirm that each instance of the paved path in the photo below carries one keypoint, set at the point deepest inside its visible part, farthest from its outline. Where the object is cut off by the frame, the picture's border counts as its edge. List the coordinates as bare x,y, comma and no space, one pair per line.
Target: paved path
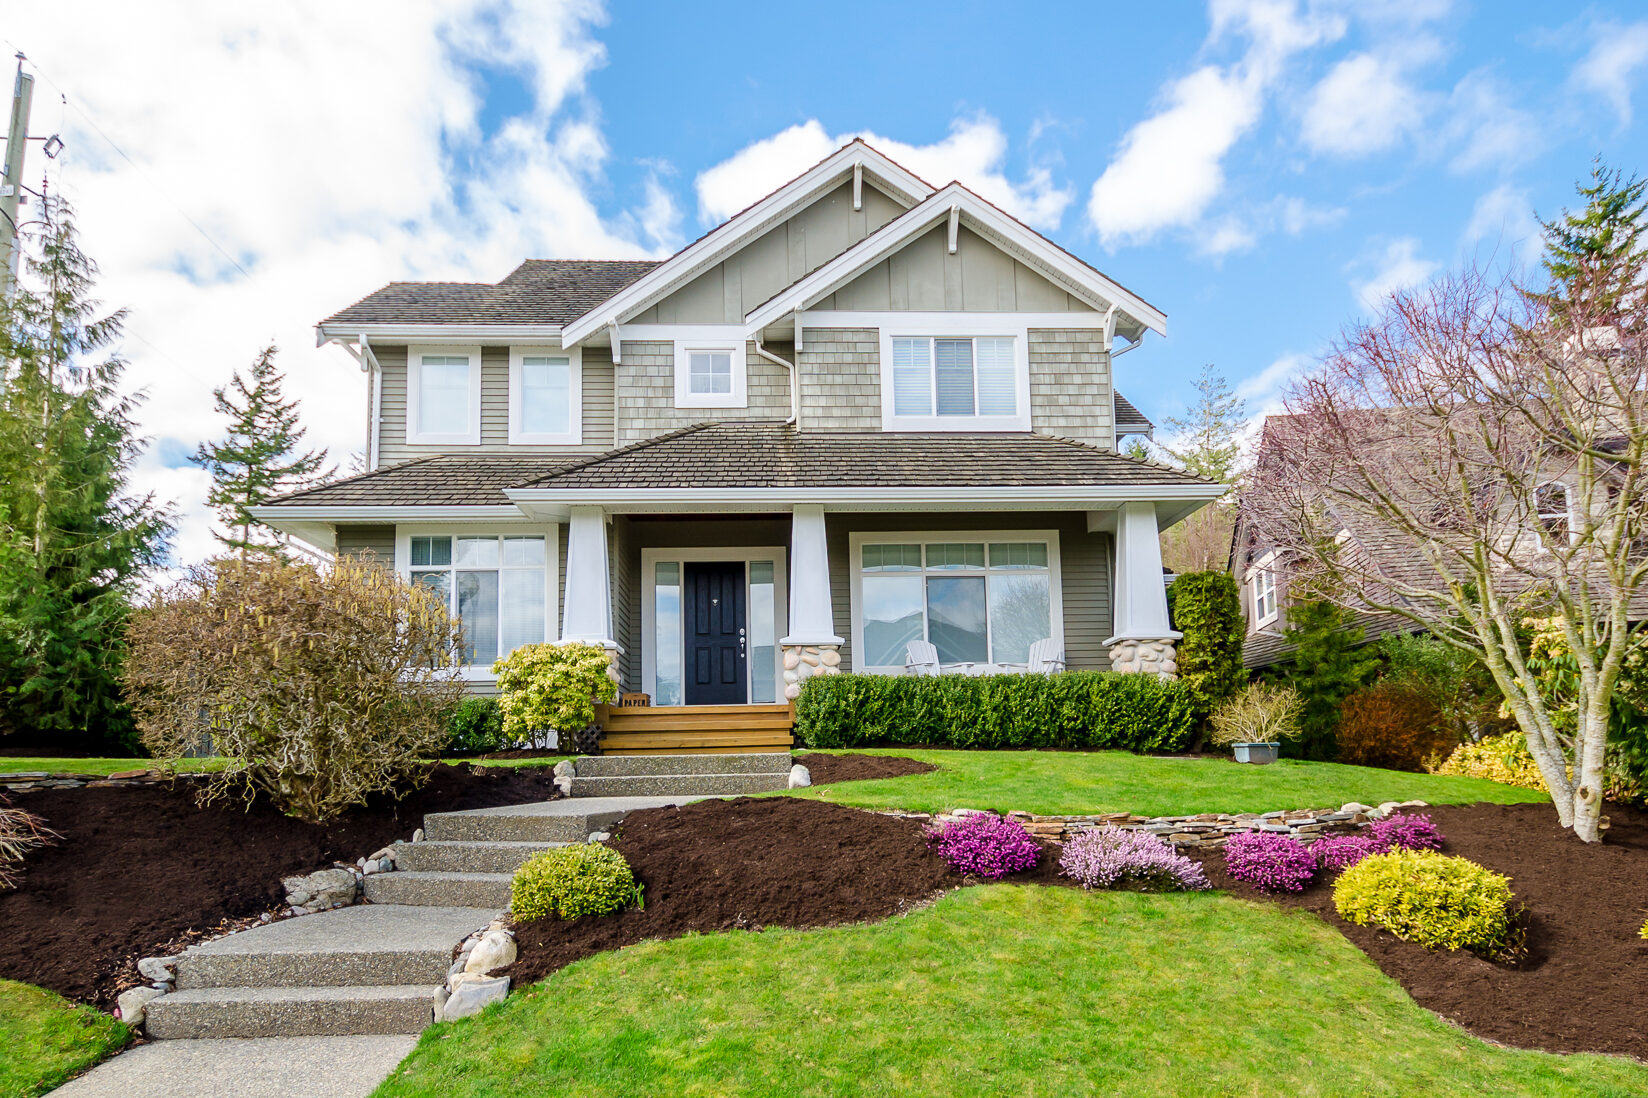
261,1067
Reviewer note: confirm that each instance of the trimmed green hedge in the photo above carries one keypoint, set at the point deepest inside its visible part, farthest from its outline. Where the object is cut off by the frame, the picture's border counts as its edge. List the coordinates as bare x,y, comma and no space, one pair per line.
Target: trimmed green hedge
1082,709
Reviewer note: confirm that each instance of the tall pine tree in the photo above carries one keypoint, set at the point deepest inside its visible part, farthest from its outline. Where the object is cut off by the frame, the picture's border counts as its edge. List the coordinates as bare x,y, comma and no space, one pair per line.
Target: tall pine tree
1207,442
259,457
74,541
1601,252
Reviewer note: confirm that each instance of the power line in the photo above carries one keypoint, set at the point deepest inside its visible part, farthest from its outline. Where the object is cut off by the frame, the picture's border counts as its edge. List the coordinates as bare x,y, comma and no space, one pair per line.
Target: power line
90,121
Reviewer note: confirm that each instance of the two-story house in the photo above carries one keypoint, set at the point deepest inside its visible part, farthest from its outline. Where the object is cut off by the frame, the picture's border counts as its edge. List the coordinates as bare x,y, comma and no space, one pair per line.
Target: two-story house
863,412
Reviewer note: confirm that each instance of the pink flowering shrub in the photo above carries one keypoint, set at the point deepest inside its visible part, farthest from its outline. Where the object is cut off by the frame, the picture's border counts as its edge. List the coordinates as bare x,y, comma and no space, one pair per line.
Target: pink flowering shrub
1405,833
1336,852
1112,857
1269,862
983,845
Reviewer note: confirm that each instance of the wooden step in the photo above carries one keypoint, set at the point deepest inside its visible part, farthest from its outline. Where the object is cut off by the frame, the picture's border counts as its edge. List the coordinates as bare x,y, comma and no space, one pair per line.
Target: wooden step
690,724
666,742
693,750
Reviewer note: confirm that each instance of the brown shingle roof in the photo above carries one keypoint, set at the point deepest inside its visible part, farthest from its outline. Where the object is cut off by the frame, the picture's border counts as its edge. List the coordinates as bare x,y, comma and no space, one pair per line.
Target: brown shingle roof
539,291
1129,420
476,481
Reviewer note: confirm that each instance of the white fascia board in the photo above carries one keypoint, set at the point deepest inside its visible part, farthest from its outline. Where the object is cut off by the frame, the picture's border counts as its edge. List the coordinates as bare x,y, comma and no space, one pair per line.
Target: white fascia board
282,515
1075,495
442,333
710,249
1099,290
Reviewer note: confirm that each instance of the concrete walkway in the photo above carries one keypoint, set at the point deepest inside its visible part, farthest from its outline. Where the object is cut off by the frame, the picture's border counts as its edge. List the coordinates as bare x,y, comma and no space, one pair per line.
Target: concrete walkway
262,1067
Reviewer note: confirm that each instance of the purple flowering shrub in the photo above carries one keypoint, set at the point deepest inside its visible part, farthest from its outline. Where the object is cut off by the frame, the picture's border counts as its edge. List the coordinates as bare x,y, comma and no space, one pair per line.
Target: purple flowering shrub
1336,852
983,845
1112,857
1405,833
1269,862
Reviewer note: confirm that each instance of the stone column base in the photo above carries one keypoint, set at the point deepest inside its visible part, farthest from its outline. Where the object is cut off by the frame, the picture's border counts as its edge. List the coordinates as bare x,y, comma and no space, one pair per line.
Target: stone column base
803,661
1145,655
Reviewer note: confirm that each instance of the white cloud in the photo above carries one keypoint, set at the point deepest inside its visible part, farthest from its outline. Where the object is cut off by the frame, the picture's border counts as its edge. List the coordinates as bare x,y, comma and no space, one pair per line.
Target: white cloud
1264,391
1610,68
1169,168
1365,104
1285,213
1484,130
330,148
1503,217
974,153
1398,266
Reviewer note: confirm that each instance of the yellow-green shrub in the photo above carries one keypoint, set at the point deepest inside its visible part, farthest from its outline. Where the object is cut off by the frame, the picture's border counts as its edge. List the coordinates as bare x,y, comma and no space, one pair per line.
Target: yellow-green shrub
571,881
1425,897
553,687
1498,758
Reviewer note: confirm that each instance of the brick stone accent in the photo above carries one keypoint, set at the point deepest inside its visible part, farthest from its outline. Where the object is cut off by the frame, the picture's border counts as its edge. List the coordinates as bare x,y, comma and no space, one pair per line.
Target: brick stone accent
1143,656
803,661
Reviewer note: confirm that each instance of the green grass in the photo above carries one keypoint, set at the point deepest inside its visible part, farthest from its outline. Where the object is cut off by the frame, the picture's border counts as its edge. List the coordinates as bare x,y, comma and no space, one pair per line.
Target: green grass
46,1039
1003,989
14,765
1074,783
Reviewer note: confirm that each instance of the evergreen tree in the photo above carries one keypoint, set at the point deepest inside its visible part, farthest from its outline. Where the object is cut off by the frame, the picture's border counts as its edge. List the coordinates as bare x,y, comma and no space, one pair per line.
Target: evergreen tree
1329,664
1601,252
73,541
1137,449
1209,434
259,458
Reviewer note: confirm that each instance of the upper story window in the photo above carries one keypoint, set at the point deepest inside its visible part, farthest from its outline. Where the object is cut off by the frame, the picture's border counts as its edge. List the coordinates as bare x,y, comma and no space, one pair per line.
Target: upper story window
545,397
1555,512
1261,580
955,382
443,396
710,373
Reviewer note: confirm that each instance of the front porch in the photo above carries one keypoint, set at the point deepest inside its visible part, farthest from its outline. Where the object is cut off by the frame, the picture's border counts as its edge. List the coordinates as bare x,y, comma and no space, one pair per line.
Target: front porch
694,729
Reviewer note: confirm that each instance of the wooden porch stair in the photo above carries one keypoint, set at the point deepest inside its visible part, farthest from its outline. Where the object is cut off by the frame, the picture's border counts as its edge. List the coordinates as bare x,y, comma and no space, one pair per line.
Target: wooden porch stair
694,729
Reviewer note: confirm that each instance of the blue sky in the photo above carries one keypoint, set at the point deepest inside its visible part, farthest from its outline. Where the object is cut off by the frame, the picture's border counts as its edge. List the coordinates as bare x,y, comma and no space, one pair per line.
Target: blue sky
1262,170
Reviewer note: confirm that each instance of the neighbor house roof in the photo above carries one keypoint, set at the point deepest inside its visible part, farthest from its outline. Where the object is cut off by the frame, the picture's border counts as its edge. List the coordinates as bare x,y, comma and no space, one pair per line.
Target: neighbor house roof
1129,420
539,291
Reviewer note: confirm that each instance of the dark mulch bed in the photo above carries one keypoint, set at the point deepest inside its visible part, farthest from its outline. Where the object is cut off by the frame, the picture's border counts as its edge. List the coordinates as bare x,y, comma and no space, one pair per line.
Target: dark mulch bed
826,768
141,867
748,863
1585,978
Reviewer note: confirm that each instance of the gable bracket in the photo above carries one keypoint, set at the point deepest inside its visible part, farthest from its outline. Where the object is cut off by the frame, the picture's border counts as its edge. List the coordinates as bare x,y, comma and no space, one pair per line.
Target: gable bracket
617,348
858,185
955,226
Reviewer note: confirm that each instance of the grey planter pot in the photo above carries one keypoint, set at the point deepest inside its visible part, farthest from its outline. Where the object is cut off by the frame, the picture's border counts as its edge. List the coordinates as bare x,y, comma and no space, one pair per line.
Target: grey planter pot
1257,752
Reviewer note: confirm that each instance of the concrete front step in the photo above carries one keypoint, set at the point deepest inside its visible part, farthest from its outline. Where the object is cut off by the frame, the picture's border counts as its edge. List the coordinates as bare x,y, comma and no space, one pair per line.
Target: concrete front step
291,1011
562,821
353,946
629,766
422,889
692,785
466,857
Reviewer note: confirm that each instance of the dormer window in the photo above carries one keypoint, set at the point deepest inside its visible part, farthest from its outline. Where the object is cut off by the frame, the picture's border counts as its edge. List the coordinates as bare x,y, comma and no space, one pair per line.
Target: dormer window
545,397
443,396
1261,580
710,373
955,380
1555,512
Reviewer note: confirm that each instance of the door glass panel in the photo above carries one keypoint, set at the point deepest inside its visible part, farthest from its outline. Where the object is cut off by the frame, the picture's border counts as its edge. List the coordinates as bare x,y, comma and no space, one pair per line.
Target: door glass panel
956,618
521,606
667,610
763,637
1019,615
478,607
892,618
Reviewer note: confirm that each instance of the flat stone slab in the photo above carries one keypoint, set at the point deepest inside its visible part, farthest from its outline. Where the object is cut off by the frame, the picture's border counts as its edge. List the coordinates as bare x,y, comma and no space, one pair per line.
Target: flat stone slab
575,806
570,819
265,1067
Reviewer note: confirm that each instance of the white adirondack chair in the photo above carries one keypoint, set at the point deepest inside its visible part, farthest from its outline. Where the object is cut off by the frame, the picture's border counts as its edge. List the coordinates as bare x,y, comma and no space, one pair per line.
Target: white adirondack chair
1046,656
921,659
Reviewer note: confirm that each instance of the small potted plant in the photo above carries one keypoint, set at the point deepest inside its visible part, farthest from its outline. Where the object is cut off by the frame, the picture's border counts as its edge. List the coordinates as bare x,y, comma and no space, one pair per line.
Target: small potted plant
1254,722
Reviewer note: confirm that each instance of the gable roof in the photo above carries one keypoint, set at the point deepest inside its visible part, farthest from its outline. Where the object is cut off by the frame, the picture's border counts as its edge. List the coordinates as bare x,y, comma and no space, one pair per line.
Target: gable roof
436,481
1129,420
987,220
746,225
539,291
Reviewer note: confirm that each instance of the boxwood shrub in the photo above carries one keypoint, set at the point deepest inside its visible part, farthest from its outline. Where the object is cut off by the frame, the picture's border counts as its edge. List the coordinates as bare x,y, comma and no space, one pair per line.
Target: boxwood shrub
568,882
1080,709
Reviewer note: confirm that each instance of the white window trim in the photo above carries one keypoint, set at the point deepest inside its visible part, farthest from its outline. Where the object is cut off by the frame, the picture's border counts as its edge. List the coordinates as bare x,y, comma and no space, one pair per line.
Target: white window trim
574,436
855,570
414,396
1257,572
732,342
552,570
950,326
649,606
1567,513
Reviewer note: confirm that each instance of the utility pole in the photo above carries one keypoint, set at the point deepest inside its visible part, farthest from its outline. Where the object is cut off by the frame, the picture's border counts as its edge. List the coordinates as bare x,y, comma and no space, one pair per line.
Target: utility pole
11,186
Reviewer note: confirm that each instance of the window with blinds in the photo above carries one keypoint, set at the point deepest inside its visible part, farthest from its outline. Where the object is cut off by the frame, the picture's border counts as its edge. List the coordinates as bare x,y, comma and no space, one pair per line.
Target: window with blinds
954,376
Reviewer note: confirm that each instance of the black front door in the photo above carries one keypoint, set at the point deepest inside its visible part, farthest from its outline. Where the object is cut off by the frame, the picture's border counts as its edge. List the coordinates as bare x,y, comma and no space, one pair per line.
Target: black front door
715,633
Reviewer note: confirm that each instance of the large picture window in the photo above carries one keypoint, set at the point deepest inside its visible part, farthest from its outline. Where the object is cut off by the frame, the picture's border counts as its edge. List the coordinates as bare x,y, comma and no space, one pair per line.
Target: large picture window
495,583
978,602
443,396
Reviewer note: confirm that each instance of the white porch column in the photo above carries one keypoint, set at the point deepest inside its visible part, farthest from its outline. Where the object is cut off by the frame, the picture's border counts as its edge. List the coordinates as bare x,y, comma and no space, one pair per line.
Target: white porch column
1143,640
812,647
587,604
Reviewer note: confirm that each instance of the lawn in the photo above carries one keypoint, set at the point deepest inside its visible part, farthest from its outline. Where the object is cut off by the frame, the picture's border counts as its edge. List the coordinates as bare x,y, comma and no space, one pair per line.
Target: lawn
1001,989
1074,783
47,1039
105,766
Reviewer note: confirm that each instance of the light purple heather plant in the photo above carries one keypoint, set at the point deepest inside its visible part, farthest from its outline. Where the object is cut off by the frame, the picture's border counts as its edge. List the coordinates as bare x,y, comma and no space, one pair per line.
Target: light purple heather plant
1112,857
1336,852
1269,862
1405,833
983,845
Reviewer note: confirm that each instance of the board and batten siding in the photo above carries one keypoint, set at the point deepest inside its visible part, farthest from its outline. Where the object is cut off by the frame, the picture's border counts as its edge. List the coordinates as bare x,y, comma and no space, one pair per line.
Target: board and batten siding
645,392
597,403
1084,571
925,276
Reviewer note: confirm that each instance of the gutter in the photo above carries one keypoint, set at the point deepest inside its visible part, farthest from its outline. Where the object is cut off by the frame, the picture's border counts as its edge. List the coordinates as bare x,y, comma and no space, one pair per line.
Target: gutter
795,392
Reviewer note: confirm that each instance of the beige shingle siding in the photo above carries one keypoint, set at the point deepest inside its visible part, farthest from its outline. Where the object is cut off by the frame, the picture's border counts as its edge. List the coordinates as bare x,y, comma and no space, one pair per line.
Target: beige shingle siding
597,418
645,392
355,541
840,379
1070,385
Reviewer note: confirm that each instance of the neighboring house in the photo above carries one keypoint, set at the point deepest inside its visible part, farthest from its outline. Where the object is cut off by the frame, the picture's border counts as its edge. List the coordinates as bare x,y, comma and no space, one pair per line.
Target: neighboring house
865,411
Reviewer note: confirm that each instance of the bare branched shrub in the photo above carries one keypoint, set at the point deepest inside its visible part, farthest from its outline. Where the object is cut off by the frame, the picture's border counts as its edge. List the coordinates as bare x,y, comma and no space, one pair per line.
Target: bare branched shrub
1260,713
20,832
320,687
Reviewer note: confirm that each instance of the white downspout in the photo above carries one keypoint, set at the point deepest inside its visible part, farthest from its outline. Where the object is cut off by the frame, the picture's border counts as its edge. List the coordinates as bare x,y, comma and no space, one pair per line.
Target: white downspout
795,392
